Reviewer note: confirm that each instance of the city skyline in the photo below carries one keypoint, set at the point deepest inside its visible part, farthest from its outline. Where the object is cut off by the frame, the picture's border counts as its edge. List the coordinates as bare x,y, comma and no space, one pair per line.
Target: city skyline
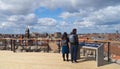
91,16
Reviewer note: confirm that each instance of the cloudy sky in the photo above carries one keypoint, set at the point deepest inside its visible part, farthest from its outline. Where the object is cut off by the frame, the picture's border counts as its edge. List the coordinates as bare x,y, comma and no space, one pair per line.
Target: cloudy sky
88,16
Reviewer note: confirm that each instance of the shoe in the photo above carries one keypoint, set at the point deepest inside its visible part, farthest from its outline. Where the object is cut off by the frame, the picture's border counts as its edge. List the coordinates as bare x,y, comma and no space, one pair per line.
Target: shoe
71,61
75,61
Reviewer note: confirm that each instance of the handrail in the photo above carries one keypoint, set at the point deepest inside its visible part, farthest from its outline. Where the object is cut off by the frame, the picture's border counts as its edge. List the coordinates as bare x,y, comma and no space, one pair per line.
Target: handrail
104,41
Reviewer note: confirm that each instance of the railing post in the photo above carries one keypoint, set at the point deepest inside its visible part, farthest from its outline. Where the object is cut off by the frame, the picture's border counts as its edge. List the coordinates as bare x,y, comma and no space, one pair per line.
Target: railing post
11,44
37,43
108,51
5,44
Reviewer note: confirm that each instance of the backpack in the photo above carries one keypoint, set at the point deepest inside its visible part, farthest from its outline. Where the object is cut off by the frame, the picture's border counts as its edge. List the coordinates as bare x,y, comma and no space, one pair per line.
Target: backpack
72,38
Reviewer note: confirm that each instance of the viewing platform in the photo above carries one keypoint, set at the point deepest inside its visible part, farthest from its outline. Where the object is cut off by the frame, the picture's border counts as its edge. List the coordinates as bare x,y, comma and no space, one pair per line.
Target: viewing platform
35,60
110,52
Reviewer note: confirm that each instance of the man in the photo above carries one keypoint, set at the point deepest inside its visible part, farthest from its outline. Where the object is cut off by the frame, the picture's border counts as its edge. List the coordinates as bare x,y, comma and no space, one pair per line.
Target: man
73,38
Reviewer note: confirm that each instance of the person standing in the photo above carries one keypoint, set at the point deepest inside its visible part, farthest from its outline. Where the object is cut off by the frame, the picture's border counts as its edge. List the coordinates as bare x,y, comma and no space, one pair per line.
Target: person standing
65,46
73,38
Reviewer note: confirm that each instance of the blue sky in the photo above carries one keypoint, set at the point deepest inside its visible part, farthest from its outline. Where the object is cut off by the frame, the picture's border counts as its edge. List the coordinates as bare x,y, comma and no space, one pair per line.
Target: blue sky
91,16
43,12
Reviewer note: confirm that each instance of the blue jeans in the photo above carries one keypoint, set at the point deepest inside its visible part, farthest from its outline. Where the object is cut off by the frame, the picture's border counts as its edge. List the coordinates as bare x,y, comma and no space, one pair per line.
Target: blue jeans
73,52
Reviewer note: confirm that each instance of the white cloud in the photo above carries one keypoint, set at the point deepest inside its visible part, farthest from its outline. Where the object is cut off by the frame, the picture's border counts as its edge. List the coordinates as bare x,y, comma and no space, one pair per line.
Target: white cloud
84,24
13,18
19,6
66,15
29,19
18,22
4,6
6,24
80,14
107,16
76,5
63,23
47,22
91,14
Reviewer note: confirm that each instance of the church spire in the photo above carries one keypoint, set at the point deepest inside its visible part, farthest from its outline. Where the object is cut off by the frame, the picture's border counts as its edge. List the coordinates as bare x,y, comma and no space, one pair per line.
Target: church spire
27,33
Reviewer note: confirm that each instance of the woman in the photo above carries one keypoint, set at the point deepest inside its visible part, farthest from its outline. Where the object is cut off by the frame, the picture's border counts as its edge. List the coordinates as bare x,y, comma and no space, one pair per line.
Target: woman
65,46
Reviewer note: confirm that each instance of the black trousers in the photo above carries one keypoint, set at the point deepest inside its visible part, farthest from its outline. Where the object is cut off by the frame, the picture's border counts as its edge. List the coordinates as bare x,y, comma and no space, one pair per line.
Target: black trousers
67,56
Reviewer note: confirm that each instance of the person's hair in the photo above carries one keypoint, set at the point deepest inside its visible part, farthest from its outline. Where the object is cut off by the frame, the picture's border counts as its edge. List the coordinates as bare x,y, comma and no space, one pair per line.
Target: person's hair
64,35
74,30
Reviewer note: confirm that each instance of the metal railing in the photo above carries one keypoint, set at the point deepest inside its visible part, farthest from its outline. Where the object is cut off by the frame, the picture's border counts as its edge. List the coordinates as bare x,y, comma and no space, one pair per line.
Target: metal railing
24,45
111,48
